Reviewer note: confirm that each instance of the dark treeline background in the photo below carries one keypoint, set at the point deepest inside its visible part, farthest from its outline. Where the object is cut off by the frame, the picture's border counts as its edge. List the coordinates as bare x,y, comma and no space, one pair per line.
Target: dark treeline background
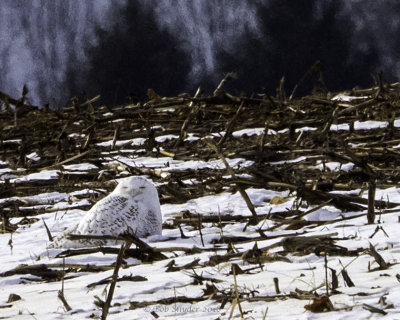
120,48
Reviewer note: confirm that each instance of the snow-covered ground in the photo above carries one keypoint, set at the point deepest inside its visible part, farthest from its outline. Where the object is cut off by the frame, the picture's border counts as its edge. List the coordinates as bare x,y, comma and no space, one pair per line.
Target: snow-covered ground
29,246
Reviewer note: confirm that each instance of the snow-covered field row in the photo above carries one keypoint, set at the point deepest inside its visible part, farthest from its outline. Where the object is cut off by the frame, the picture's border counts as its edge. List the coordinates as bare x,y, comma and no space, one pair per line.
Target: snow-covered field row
225,269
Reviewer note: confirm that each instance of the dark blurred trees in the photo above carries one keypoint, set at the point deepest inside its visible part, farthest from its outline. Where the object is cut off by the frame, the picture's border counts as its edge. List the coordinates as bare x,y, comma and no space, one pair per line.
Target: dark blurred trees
293,35
136,53
134,56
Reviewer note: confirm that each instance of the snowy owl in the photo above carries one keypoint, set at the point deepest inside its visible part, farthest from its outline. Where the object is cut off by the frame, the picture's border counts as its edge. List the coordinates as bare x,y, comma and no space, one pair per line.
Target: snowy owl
133,206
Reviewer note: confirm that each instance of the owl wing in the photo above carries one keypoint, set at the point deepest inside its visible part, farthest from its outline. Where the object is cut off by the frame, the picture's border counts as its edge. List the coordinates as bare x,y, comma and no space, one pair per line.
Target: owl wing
142,221
153,223
107,217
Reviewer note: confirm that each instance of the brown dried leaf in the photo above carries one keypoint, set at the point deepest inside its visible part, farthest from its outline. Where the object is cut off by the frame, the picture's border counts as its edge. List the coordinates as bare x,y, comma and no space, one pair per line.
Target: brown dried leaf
320,304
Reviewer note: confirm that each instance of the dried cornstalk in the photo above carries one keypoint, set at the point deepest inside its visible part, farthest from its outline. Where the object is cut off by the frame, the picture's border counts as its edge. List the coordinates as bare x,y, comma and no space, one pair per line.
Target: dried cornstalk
114,278
239,187
231,125
371,200
378,258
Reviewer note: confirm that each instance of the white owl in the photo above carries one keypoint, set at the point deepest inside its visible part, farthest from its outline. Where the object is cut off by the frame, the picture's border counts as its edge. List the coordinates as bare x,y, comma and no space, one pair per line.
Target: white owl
133,206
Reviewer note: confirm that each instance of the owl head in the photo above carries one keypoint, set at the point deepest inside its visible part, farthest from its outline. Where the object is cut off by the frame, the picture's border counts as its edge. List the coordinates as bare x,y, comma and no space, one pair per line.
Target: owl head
135,187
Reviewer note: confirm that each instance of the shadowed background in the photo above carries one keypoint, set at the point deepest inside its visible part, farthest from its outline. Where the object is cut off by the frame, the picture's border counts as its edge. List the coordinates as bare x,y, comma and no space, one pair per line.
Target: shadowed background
62,48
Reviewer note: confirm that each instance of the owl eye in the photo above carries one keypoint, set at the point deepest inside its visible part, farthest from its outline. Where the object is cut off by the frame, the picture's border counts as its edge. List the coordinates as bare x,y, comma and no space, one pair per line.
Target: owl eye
142,187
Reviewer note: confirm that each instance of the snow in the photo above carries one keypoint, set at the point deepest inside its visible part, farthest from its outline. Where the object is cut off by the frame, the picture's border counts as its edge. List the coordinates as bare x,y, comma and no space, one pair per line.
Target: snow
299,159
42,175
118,120
334,166
226,203
367,125
191,137
5,170
166,138
342,126
305,129
14,141
43,198
76,135
29,246
361,125
80,167
119,143
358,125
347,98
33,156
252,131
169,164
303,272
